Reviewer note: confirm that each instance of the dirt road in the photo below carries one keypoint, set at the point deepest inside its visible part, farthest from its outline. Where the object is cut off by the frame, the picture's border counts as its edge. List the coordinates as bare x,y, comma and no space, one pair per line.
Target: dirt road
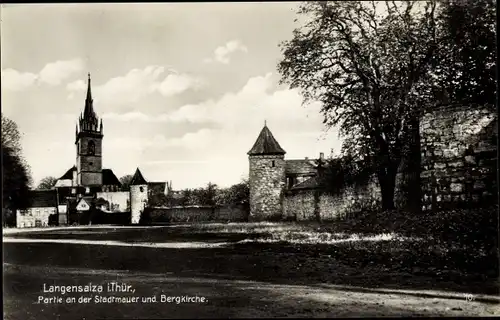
222,276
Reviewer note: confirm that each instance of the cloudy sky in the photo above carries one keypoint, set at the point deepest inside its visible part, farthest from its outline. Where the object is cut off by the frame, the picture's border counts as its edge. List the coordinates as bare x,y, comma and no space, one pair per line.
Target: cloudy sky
183,89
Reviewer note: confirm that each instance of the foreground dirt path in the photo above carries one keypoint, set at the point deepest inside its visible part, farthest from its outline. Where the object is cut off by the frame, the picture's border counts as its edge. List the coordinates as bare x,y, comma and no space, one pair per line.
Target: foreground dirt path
225,298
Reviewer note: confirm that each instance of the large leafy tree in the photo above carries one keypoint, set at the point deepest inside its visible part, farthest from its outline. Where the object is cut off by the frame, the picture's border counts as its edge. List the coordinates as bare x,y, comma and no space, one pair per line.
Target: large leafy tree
47,183
466,60
239,193
207,196
125,181
236,194
16,176
367,62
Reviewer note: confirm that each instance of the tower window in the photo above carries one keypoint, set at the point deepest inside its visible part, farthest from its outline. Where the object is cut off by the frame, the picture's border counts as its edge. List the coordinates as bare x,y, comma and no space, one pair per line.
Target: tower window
91,163
142,189
273,164
91,148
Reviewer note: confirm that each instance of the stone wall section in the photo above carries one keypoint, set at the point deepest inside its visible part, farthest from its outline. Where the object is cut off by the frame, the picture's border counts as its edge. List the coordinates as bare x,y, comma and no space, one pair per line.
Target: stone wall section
299,206
308,205
459,157
235,213
267,182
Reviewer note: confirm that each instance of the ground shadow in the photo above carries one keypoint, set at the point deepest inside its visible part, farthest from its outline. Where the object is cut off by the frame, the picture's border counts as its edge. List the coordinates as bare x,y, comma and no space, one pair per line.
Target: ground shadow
226,299
280,263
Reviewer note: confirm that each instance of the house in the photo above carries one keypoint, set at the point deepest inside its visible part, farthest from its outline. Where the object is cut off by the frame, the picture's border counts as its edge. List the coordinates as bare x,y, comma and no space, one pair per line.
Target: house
43,207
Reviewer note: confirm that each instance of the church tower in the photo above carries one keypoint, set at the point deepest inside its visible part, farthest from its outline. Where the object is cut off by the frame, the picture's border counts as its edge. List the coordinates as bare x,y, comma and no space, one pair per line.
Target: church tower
266,177
88,142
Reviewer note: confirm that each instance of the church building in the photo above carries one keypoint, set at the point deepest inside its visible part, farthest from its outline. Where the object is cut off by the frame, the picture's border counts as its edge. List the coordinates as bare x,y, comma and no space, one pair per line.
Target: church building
87,185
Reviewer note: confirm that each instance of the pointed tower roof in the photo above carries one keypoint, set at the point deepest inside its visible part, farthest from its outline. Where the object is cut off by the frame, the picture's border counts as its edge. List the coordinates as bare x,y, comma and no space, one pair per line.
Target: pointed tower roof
266,144
137,178
89,109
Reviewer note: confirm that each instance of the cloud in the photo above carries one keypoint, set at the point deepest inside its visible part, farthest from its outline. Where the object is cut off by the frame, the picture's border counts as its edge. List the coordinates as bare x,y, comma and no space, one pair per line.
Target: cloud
56,72
16,81
197,140
52,74
177,83
223,53
236,118
139,83
78,85
255,100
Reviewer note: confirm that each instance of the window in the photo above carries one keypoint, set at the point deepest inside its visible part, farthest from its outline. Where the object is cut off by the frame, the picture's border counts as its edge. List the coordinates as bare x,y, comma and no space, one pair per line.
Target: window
141,189
91,163
87,190
91,148
273,164
73,191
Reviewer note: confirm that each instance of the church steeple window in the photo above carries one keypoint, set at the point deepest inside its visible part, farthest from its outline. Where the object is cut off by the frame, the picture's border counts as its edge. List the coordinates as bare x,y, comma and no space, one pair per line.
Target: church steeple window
91,148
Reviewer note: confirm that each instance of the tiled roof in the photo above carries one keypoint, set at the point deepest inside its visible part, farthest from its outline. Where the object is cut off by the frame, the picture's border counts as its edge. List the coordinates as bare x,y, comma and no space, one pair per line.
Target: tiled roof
266,144
137,178
109,178
300,166
101,201
43,198
69,174
311,183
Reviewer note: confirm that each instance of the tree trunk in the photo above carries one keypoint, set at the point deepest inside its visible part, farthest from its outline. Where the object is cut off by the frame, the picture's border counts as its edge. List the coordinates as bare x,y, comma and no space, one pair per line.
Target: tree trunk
414,183
387,182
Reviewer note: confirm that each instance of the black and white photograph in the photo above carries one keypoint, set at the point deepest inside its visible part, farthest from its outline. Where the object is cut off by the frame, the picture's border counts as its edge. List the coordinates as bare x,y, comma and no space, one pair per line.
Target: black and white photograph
302,159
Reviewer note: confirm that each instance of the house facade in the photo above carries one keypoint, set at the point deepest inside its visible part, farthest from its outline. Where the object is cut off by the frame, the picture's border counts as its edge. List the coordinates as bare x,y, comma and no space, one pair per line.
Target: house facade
43,207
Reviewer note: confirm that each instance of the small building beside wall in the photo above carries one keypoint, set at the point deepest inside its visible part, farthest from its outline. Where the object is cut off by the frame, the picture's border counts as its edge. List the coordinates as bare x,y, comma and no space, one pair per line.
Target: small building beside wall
42,211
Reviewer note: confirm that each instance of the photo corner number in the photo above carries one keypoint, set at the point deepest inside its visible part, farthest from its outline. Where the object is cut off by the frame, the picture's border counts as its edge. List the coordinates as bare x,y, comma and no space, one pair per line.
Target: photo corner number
469,297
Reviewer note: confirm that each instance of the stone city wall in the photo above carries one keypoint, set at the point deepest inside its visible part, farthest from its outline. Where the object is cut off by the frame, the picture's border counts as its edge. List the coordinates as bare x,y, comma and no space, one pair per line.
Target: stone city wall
199,214
459,157
306,205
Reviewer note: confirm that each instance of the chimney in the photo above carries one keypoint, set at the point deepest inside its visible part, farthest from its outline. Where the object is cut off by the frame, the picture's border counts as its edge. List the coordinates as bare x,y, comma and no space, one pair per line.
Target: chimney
321,156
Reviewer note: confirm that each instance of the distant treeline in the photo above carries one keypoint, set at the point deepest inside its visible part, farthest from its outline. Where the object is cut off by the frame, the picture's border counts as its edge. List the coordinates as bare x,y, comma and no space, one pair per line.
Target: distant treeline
211,195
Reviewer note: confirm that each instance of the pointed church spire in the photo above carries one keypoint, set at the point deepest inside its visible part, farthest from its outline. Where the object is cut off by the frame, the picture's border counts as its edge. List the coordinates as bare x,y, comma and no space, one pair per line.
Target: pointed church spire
89,110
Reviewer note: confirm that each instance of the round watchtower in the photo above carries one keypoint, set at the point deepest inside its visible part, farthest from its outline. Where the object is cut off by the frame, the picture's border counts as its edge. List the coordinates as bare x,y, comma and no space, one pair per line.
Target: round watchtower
138,196
266,177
